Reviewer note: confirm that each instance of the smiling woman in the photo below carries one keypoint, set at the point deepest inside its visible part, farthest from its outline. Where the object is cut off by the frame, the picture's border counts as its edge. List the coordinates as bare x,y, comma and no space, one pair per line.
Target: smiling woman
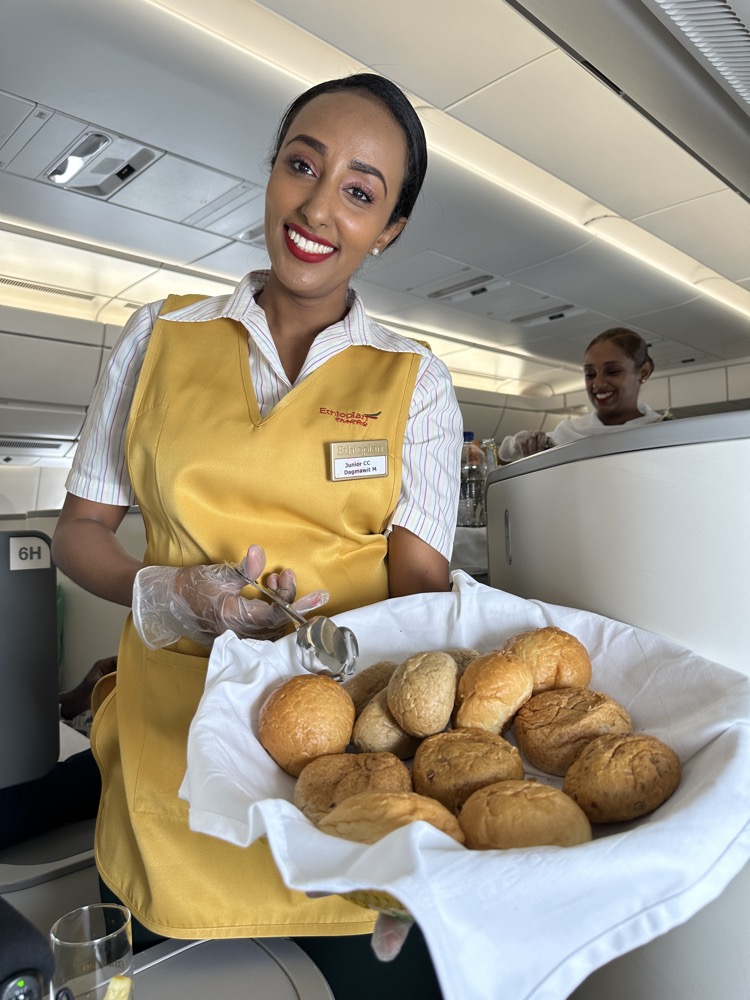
188,421
615,365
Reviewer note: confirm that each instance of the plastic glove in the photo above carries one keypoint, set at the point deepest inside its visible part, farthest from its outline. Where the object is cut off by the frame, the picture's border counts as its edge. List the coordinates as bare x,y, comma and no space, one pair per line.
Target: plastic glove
201,602
522,444
388,936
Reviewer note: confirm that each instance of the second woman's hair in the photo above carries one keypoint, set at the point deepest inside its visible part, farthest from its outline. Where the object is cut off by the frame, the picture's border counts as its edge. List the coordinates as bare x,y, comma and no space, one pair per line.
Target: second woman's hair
630,343
402,111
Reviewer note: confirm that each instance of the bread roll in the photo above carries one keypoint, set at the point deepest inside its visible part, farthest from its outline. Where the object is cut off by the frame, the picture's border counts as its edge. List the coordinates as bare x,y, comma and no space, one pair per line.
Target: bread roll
368,681
421,693
376,730
326,781
463,655
522,814
368,816
557,659
554,726
305,717
617,778
491,690
450,766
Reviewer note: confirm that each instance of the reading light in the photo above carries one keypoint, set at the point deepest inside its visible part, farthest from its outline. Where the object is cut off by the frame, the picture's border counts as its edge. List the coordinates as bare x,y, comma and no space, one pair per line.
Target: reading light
84,151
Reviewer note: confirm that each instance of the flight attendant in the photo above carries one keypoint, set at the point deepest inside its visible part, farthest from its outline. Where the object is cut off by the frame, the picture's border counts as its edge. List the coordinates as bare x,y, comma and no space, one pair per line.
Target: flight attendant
615,365
217,417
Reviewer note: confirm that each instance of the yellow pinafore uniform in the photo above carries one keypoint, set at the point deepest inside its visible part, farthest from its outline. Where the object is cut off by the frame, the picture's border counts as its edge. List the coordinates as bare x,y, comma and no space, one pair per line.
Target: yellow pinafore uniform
211,477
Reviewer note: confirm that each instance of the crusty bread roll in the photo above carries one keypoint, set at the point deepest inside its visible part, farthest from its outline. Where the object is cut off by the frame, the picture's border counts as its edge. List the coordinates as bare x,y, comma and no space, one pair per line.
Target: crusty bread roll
305,717
368,681
557,658
376,730
491,690
450,766
463,655
368,816
421,693
554,726
522,814
326,781
617,778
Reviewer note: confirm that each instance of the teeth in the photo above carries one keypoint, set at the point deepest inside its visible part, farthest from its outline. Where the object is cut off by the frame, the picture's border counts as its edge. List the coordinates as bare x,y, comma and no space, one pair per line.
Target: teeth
307,245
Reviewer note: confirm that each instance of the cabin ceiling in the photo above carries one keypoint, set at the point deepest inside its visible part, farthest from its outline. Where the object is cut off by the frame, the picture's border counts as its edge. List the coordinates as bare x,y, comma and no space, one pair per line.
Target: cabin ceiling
557,131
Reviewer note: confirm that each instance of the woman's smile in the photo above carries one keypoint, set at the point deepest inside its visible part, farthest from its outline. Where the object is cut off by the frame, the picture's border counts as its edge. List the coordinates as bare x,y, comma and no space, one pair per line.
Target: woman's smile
307,247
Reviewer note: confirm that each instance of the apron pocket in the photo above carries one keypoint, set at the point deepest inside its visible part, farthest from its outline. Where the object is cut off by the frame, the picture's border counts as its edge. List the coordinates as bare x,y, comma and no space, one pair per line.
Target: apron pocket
174,684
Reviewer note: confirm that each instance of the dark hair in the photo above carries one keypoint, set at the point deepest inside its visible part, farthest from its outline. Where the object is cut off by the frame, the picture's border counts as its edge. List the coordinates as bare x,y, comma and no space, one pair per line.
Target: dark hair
403,113
630,343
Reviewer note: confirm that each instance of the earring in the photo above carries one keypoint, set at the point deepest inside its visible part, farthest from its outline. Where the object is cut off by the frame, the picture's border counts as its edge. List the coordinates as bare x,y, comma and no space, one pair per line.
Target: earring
375,251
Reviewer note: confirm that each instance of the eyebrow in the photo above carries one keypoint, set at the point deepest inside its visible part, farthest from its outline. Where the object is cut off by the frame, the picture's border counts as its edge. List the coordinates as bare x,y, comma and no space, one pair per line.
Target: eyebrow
322,149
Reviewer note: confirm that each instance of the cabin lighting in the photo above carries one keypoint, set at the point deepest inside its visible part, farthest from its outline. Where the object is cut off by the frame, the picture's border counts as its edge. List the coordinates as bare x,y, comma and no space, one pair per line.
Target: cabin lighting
82,153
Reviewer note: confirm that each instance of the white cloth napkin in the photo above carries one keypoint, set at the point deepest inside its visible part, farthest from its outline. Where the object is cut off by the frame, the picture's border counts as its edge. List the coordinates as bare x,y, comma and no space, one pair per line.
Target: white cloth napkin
529,923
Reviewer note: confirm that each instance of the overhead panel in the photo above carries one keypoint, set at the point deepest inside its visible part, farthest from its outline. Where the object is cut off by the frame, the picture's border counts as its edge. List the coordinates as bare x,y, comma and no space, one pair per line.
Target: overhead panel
606,280
498,39
31,370
587,136
714,229
174,188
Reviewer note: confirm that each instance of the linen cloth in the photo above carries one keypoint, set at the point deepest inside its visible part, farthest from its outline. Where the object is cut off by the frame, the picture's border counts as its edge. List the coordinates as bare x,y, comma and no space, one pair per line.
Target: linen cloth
526,924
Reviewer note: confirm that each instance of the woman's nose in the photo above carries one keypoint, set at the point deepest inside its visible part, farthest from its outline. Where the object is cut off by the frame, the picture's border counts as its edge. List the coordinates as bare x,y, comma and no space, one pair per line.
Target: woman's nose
317,207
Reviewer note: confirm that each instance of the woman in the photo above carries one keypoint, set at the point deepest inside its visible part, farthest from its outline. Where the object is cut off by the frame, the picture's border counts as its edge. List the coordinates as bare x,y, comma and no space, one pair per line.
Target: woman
615,366
217,417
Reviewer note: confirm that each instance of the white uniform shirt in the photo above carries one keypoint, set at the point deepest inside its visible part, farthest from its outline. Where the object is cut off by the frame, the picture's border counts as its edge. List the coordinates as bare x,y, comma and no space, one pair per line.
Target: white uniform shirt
432,444
574,428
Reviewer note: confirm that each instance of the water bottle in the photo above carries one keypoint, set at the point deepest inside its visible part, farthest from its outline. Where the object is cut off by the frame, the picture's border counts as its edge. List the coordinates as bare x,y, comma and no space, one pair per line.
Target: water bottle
489,450
471,498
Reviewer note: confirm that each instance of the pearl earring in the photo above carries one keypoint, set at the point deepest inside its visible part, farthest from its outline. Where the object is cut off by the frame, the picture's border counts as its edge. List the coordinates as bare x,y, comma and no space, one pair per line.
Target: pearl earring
375,251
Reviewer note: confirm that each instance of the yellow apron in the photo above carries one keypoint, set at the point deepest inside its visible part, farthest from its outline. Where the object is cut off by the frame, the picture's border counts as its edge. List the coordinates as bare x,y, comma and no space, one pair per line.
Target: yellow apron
211,477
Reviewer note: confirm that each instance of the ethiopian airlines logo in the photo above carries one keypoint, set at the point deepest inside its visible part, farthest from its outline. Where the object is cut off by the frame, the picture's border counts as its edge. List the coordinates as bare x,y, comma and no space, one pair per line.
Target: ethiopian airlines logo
350,416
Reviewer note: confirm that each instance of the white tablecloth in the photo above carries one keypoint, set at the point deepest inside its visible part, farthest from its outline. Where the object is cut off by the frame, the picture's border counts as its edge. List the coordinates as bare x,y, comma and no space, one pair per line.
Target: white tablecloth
529,923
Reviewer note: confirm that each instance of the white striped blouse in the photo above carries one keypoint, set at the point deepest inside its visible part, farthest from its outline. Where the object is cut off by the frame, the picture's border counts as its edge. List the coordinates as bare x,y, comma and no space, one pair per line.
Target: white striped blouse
432,444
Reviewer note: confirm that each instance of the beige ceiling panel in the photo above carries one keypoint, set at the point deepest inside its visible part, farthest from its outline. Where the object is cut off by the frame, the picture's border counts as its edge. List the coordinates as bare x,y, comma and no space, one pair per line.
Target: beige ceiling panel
439,51
606,280
587,136
166,282
715,332
715,229
234,260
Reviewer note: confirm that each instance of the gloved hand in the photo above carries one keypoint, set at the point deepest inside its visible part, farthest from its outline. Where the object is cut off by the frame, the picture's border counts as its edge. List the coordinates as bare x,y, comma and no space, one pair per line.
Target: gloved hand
522,444
388,936
201,602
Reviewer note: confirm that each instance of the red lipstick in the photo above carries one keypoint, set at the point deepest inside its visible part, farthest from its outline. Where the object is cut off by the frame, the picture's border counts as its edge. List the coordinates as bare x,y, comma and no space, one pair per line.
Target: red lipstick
298,242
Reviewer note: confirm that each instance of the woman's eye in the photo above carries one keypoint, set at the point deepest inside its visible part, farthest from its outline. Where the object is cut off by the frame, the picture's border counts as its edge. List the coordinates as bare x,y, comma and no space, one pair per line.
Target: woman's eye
300,165
360,194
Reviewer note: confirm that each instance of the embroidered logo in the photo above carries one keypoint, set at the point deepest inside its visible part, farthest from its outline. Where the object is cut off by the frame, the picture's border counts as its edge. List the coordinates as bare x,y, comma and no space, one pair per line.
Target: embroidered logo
350,416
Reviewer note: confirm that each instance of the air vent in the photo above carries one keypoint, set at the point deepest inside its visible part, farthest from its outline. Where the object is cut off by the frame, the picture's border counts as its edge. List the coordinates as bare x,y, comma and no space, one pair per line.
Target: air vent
462,286
720,34
548,316
31,286
27,446
468,289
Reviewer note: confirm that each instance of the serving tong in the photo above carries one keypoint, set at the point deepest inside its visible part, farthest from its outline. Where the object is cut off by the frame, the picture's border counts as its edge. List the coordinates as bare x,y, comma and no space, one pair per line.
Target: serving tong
322,646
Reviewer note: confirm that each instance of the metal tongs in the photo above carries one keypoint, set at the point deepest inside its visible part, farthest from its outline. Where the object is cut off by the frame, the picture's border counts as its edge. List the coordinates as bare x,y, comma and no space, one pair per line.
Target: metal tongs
322,646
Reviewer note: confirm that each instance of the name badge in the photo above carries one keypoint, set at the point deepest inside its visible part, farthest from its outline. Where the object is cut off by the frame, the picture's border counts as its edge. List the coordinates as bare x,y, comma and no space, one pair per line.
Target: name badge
358,459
